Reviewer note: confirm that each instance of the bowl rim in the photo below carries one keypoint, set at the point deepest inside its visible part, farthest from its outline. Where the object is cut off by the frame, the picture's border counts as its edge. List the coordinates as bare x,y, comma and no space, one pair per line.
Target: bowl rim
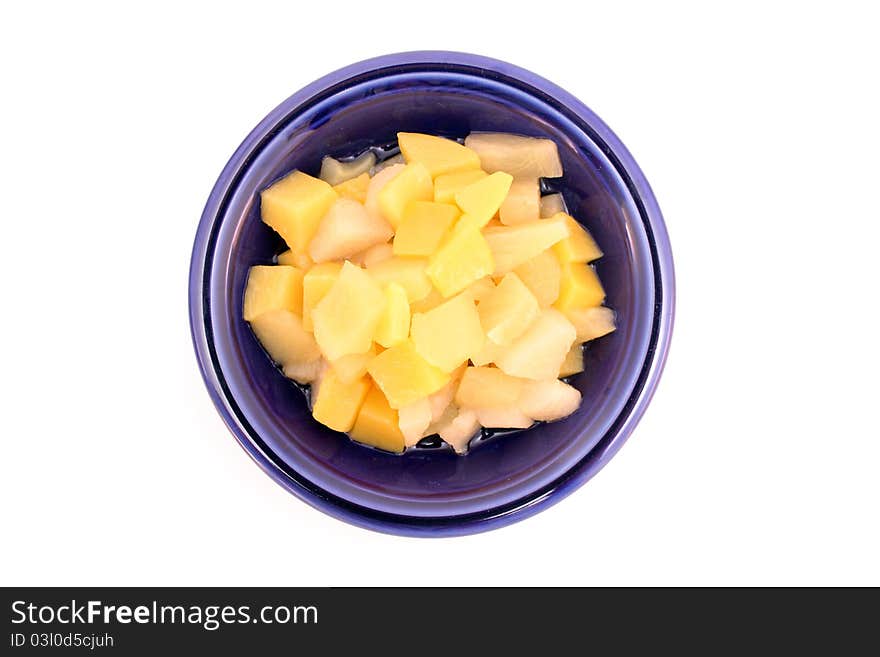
568,481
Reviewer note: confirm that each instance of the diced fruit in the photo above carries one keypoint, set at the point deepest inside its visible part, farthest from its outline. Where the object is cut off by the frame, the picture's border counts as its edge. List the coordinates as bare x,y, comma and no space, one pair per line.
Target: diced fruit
579,287
378,182
346,229
542,275
404,376
316,283
393,325
478,290
338,403
439,401
377,423
294,206
413,183
447,185
282,335
277,287
394,160
548,400
346,318
574,361
354,189
488,354
352,367
409,273
523,202
521,157
440,156
513,245
449,334
507,310
487,387
374,255
431,301
337,172
286,258
305,371
480,200
552,204
591,323
579,246
459,429
539,352
423,226
464,258
503,417
414,420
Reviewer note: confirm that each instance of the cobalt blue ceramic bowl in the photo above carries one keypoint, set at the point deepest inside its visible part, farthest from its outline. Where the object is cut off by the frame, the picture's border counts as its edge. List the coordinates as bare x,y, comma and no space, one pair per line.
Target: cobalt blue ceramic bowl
432,491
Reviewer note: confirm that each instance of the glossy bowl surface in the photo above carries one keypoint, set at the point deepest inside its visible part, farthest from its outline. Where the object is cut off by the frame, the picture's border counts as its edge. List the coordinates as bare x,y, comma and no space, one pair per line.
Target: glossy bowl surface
432,491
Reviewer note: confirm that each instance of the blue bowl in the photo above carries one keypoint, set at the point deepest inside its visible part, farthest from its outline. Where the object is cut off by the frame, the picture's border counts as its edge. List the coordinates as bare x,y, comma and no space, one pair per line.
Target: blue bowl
432,491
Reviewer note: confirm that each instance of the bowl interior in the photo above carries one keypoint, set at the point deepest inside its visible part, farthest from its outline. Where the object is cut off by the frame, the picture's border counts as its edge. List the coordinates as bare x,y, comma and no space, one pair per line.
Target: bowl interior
368,111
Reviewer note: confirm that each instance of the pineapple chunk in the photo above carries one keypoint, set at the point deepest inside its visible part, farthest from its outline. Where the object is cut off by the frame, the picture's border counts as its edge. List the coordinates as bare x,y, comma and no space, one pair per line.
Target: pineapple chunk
447,185
352,367
464,258
542,275
294,206
487,387
424,225
337,172
591,323
304,372
374,255
377,423
508,310
413,183
479,290
394,324
440,156
574,361
503,417
523,202
404,376
316,283
480,200
337,404
409,273
450,334
378,182
276,287
430,302
521,157
346,318
548,400
346,229
579,287
283,337
513,245
458,429
414,420
552,204
538,353
579,246
354,189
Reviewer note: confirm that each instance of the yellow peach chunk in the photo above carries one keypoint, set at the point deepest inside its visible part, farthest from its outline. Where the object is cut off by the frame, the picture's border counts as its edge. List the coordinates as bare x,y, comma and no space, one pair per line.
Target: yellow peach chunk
423,227
354,189
513,245
377,423
346,318
574,360
462,259
413,420
404,376
450,334
316,283
542,275
440,156
294,206
282,335
409,273
480,200
338,403
377,183
507,310
579,287
447,185
393,326
413,183
579,246
523,202
277,287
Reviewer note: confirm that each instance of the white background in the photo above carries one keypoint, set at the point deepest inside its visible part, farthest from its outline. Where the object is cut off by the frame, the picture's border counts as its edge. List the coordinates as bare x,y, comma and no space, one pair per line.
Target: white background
758,461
